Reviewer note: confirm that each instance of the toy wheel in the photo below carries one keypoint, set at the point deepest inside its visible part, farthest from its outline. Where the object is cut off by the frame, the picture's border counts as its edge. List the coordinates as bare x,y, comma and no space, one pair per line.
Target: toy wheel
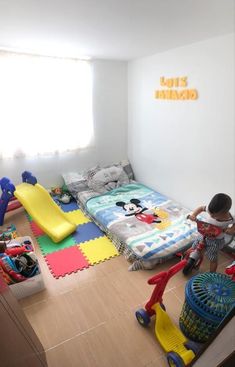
142,317
189,266
195,347
174,360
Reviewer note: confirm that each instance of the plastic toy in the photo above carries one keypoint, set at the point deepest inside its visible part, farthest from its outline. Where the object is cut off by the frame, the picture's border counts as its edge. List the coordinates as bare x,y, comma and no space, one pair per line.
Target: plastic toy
194,256
39,204
13,204
64,198
5,276
230,270
7,194
17,249
9,267
27,264
180,351
18,260
8,233
13,251
56,191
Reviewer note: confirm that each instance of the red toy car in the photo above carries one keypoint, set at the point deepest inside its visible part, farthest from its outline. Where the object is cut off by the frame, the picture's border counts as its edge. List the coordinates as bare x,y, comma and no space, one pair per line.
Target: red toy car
194,256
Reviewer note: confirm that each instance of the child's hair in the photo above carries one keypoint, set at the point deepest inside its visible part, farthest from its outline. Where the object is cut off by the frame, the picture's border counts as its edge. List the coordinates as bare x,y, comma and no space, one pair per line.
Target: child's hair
220,203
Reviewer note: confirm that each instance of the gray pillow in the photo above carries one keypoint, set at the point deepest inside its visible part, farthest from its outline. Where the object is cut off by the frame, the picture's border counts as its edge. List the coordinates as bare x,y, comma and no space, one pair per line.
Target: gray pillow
92,171
75,183
125,164
107,179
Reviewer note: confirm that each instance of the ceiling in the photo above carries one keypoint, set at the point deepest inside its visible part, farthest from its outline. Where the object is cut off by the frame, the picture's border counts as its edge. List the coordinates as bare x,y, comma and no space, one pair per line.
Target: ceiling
110,29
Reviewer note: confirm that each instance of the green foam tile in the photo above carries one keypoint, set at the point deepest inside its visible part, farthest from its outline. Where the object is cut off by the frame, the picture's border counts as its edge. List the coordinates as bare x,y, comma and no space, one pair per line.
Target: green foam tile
48,246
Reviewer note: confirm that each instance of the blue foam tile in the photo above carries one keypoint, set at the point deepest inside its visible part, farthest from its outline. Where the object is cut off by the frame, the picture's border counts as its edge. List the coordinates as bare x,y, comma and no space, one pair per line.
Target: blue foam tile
67,207
86,232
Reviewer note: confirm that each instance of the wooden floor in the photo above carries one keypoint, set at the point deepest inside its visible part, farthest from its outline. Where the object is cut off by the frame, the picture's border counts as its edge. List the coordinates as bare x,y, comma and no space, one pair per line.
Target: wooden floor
87,319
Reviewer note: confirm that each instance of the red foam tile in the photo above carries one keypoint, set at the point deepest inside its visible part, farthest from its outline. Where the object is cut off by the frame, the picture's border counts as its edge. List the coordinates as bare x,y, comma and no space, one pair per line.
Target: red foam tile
37,231
66,261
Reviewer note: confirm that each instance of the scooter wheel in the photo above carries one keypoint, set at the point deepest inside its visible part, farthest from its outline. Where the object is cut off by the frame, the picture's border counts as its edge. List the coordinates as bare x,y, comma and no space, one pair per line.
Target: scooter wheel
189,266
174,360
143,317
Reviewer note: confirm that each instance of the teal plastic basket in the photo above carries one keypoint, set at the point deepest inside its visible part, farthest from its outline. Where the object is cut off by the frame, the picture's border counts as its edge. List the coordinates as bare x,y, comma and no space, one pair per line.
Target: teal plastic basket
208,298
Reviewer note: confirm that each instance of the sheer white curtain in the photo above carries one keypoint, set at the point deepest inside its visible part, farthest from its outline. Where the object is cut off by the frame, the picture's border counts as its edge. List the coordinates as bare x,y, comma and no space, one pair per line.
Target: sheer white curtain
45,104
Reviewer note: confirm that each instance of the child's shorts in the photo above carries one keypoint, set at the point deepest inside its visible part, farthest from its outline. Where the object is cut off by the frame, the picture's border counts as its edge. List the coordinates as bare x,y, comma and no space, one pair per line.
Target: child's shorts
212,247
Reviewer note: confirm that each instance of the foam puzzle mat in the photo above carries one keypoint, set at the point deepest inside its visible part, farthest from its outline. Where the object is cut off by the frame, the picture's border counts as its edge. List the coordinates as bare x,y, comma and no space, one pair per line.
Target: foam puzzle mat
87,246
77,217
66,261
86,232
98,250
47,246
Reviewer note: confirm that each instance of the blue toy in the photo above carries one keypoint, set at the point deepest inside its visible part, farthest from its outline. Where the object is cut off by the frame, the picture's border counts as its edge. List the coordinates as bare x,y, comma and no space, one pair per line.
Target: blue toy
8,190
7,193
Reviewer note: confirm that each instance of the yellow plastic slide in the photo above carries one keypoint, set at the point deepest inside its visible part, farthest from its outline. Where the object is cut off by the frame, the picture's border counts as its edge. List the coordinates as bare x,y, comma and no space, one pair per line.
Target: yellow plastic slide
46,213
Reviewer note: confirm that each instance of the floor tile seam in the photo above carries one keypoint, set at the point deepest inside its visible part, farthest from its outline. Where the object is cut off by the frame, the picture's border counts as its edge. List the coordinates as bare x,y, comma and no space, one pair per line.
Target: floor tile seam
169,289
75,288
117,315
75,336
137,306
120,313
181,301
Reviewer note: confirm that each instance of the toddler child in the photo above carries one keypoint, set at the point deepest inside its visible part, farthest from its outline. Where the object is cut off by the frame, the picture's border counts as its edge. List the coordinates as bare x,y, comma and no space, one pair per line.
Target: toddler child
218,212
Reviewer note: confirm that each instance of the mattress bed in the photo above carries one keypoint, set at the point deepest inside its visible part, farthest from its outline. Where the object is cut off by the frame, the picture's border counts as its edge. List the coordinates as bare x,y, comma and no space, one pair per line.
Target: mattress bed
146,226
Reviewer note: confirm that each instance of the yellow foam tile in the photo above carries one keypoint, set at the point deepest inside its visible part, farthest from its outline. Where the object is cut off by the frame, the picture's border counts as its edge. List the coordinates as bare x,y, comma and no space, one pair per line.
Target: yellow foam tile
98,250
77,217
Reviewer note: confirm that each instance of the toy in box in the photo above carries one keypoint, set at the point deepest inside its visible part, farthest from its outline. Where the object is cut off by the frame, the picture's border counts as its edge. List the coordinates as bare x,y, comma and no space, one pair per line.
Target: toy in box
8,234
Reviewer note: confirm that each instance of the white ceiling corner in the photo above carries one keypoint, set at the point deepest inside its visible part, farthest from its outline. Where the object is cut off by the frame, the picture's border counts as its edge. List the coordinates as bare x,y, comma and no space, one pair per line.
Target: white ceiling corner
110,29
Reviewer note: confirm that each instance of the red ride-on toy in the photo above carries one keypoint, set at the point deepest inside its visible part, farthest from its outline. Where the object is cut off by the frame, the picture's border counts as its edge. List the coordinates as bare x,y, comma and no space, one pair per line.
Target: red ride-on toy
180,351
230,270
194,256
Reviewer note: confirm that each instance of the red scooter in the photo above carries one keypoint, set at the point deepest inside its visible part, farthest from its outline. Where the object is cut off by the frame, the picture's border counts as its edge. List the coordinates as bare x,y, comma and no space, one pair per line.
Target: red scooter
180,351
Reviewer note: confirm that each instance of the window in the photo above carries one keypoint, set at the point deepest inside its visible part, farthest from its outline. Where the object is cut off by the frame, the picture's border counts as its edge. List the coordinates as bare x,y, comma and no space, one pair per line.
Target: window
46,104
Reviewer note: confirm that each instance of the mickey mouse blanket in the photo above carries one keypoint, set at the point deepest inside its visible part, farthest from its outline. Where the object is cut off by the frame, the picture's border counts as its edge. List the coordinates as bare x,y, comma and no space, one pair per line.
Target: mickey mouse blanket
145,225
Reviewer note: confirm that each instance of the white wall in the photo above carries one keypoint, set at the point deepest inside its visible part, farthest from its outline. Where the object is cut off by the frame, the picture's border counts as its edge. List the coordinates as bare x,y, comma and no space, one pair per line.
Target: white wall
110,131
185,149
